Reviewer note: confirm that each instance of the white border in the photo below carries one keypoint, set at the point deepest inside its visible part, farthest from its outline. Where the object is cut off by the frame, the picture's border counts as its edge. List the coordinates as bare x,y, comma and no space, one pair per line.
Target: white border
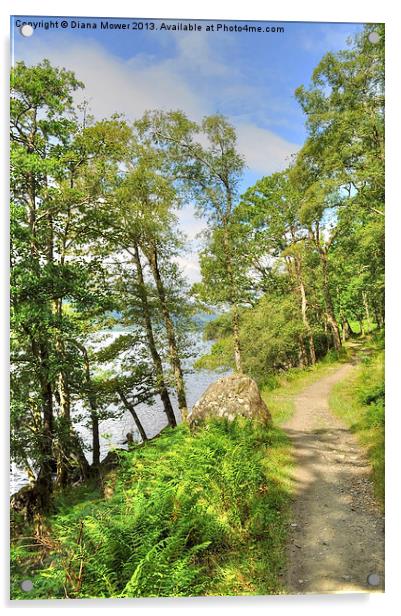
284,10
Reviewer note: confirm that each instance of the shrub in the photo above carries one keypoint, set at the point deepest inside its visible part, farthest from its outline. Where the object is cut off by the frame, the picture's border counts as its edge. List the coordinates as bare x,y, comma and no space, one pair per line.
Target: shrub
185,509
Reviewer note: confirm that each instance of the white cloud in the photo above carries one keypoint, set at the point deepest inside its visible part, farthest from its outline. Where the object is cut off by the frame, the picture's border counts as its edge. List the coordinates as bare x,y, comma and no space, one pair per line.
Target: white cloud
264,151
145,82
189,265
113,85
191,226
190,223
195,52
148,82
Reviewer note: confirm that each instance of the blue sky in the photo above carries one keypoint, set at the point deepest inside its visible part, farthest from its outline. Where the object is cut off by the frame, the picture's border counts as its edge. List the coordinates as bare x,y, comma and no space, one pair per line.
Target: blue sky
249,77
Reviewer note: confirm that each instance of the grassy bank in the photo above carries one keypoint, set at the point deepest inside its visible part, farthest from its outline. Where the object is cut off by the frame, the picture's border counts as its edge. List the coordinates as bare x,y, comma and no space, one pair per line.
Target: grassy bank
202,514
359,401
280,397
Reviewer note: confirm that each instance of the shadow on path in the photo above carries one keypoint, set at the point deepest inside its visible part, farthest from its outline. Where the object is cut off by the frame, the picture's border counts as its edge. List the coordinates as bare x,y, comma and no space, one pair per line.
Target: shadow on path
337,536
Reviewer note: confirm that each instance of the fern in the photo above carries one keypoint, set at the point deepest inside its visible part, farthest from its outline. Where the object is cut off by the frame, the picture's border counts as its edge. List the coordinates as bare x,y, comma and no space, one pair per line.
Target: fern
185,508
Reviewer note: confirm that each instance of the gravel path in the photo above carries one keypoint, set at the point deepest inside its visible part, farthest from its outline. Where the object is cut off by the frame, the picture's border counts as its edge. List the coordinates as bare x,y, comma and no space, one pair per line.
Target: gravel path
336,538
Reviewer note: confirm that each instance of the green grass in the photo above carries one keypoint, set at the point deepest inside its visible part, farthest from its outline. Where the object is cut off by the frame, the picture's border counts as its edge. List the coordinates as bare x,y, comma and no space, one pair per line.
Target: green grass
280,398
359,401
190,514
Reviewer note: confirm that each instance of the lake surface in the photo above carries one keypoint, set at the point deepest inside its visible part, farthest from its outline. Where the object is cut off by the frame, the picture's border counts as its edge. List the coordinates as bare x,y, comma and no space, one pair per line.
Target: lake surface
113,431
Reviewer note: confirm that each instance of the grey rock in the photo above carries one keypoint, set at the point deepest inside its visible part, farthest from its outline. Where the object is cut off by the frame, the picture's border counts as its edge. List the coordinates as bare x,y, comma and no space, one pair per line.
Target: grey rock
230,396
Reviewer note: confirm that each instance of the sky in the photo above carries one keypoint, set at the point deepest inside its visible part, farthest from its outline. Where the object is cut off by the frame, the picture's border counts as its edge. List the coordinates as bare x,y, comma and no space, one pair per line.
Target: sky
250,77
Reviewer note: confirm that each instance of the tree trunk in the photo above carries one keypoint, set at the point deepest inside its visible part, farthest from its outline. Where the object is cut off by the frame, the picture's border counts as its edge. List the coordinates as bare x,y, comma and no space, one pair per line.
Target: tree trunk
378,307
304,307
312,350
344,332
63,449
157,362
236,338
63,388
376,313
172,342
382,316
93,408
131,408
70,446
326,333
366,305
233,302
44,480
349,328
302,355
95,439
331,319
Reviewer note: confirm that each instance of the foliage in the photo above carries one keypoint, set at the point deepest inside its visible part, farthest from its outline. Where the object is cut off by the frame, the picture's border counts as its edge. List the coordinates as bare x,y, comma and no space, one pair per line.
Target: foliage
270,337
75,214
345,116
311,237
218,328
220,356
270,334
190,514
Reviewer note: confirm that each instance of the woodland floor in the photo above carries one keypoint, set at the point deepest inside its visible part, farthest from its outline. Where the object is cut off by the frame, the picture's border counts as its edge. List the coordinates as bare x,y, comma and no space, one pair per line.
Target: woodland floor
336,538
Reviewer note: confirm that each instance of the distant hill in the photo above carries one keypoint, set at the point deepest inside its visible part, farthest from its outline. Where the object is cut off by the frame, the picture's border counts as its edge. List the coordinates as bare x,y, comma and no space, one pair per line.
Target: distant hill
202,318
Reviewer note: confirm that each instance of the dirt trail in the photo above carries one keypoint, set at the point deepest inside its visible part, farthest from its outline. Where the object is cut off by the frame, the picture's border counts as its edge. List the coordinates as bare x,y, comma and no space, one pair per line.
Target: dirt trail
337,533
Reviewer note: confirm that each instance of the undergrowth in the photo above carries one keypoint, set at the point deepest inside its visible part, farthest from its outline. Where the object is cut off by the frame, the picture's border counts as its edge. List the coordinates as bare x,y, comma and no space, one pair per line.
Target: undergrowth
359,401
201,514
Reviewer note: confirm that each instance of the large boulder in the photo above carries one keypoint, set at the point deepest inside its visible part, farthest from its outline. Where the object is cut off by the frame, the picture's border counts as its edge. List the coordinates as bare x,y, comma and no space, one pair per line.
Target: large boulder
229,397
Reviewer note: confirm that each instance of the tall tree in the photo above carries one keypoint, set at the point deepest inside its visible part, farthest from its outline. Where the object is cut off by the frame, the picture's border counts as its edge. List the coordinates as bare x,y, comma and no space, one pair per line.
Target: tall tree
344,107
143,226
220,170
343,156
41,124
270,212
59,170
209,174
151,192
